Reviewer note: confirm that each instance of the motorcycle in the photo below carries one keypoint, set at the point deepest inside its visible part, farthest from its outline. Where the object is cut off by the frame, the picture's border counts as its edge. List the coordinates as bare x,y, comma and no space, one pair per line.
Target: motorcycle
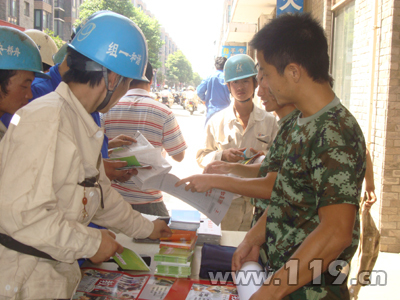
165,101
191,106
177,99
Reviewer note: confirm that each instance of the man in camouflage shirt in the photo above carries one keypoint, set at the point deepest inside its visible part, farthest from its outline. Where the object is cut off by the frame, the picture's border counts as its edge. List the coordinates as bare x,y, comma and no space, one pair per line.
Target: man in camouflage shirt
312,221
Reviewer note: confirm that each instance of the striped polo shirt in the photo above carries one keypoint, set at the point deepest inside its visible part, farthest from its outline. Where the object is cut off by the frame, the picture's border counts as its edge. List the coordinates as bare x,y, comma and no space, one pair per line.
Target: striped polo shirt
138,111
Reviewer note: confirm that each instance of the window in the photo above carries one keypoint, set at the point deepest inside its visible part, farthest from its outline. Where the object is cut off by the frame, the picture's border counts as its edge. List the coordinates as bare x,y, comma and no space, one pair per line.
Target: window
343,52
13,13
38,19
46,20
59,14
13,8
59,28
26,9
59,3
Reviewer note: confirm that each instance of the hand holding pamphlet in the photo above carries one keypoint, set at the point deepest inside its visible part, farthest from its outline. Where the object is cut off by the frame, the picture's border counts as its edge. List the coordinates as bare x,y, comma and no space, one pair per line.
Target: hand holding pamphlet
213,203
129,260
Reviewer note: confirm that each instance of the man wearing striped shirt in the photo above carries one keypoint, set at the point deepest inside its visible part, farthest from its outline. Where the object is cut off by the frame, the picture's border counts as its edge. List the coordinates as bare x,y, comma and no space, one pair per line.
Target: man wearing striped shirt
138,111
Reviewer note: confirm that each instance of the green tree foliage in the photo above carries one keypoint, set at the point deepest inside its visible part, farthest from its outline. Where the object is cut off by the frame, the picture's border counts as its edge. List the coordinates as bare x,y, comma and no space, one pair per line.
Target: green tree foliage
179,69
59,42
196,79
151,30
88,7
149,26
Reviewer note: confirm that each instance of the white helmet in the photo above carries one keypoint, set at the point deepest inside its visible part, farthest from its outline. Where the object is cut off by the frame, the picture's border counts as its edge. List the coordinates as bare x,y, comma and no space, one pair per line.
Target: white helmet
165,86
45,43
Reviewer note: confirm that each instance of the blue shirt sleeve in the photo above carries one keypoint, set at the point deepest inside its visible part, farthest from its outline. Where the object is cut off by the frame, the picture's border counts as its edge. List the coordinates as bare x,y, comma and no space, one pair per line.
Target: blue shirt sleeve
202,89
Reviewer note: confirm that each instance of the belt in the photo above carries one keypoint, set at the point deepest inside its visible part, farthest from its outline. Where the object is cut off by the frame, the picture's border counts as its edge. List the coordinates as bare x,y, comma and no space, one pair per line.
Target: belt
10,243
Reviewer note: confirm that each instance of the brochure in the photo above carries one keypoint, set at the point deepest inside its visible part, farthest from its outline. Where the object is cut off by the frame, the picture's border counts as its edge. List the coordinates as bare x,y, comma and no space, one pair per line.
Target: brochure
129,260
213,203
97,284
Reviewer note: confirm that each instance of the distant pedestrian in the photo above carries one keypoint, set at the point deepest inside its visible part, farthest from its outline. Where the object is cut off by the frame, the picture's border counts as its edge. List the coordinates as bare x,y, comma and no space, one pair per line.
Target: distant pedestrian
214,91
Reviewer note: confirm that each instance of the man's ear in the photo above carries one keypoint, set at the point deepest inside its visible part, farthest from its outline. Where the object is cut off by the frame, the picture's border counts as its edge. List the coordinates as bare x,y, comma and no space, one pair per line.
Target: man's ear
294,71
113,79
228,84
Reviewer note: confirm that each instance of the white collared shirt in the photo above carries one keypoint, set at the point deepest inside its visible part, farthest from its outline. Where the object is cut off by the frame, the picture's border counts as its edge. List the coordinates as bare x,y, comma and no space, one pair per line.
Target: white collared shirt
224,131
55,145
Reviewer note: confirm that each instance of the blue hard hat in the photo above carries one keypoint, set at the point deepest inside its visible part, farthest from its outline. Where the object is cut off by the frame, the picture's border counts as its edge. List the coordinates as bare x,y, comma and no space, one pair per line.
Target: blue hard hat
19,52
62,52
114,42
239,67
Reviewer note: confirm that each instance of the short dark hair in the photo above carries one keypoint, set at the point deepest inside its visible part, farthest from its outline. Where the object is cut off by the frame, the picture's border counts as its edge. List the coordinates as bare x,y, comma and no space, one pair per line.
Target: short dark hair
76,74
148,74
220,62
295,38
5,76
149,71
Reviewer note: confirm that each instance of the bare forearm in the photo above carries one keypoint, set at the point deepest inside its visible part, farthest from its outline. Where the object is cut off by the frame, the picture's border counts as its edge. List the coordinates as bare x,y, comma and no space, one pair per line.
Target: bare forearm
246,171
249,187
369,174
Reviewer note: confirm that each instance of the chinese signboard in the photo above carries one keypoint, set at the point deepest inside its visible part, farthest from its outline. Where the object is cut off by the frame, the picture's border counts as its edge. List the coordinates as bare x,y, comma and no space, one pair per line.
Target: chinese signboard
289,6
228,51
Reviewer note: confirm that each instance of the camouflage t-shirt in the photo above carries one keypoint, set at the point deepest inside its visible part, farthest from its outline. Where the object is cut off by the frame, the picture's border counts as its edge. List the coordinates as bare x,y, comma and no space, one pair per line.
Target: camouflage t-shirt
323,164
273,160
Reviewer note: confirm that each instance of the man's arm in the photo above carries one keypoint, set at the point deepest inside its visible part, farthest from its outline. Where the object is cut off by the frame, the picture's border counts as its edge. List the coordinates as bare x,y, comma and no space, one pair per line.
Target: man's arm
325,243
211,151
202,89
173,140
222,167
249,248
249,187
369,183
179,157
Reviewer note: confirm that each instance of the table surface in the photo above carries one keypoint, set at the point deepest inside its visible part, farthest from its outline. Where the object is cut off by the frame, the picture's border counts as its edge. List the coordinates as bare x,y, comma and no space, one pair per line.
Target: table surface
229,238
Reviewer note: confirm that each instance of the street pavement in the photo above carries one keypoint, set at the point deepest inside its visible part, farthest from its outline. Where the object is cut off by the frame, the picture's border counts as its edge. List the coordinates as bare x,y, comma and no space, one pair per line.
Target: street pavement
192,126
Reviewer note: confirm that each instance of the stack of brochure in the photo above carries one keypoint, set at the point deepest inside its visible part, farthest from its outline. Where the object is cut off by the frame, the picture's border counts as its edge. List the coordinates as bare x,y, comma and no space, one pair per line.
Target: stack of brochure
176,253
182,239
185,219
174,262
209,233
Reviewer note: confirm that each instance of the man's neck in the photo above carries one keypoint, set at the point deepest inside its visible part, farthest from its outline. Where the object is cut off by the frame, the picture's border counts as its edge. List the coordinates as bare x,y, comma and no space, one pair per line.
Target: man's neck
243,109
144,86
89,97
313,97
285,110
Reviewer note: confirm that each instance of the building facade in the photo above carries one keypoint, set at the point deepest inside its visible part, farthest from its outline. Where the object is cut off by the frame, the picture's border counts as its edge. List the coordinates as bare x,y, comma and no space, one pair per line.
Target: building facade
56,15
364,51
169,45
